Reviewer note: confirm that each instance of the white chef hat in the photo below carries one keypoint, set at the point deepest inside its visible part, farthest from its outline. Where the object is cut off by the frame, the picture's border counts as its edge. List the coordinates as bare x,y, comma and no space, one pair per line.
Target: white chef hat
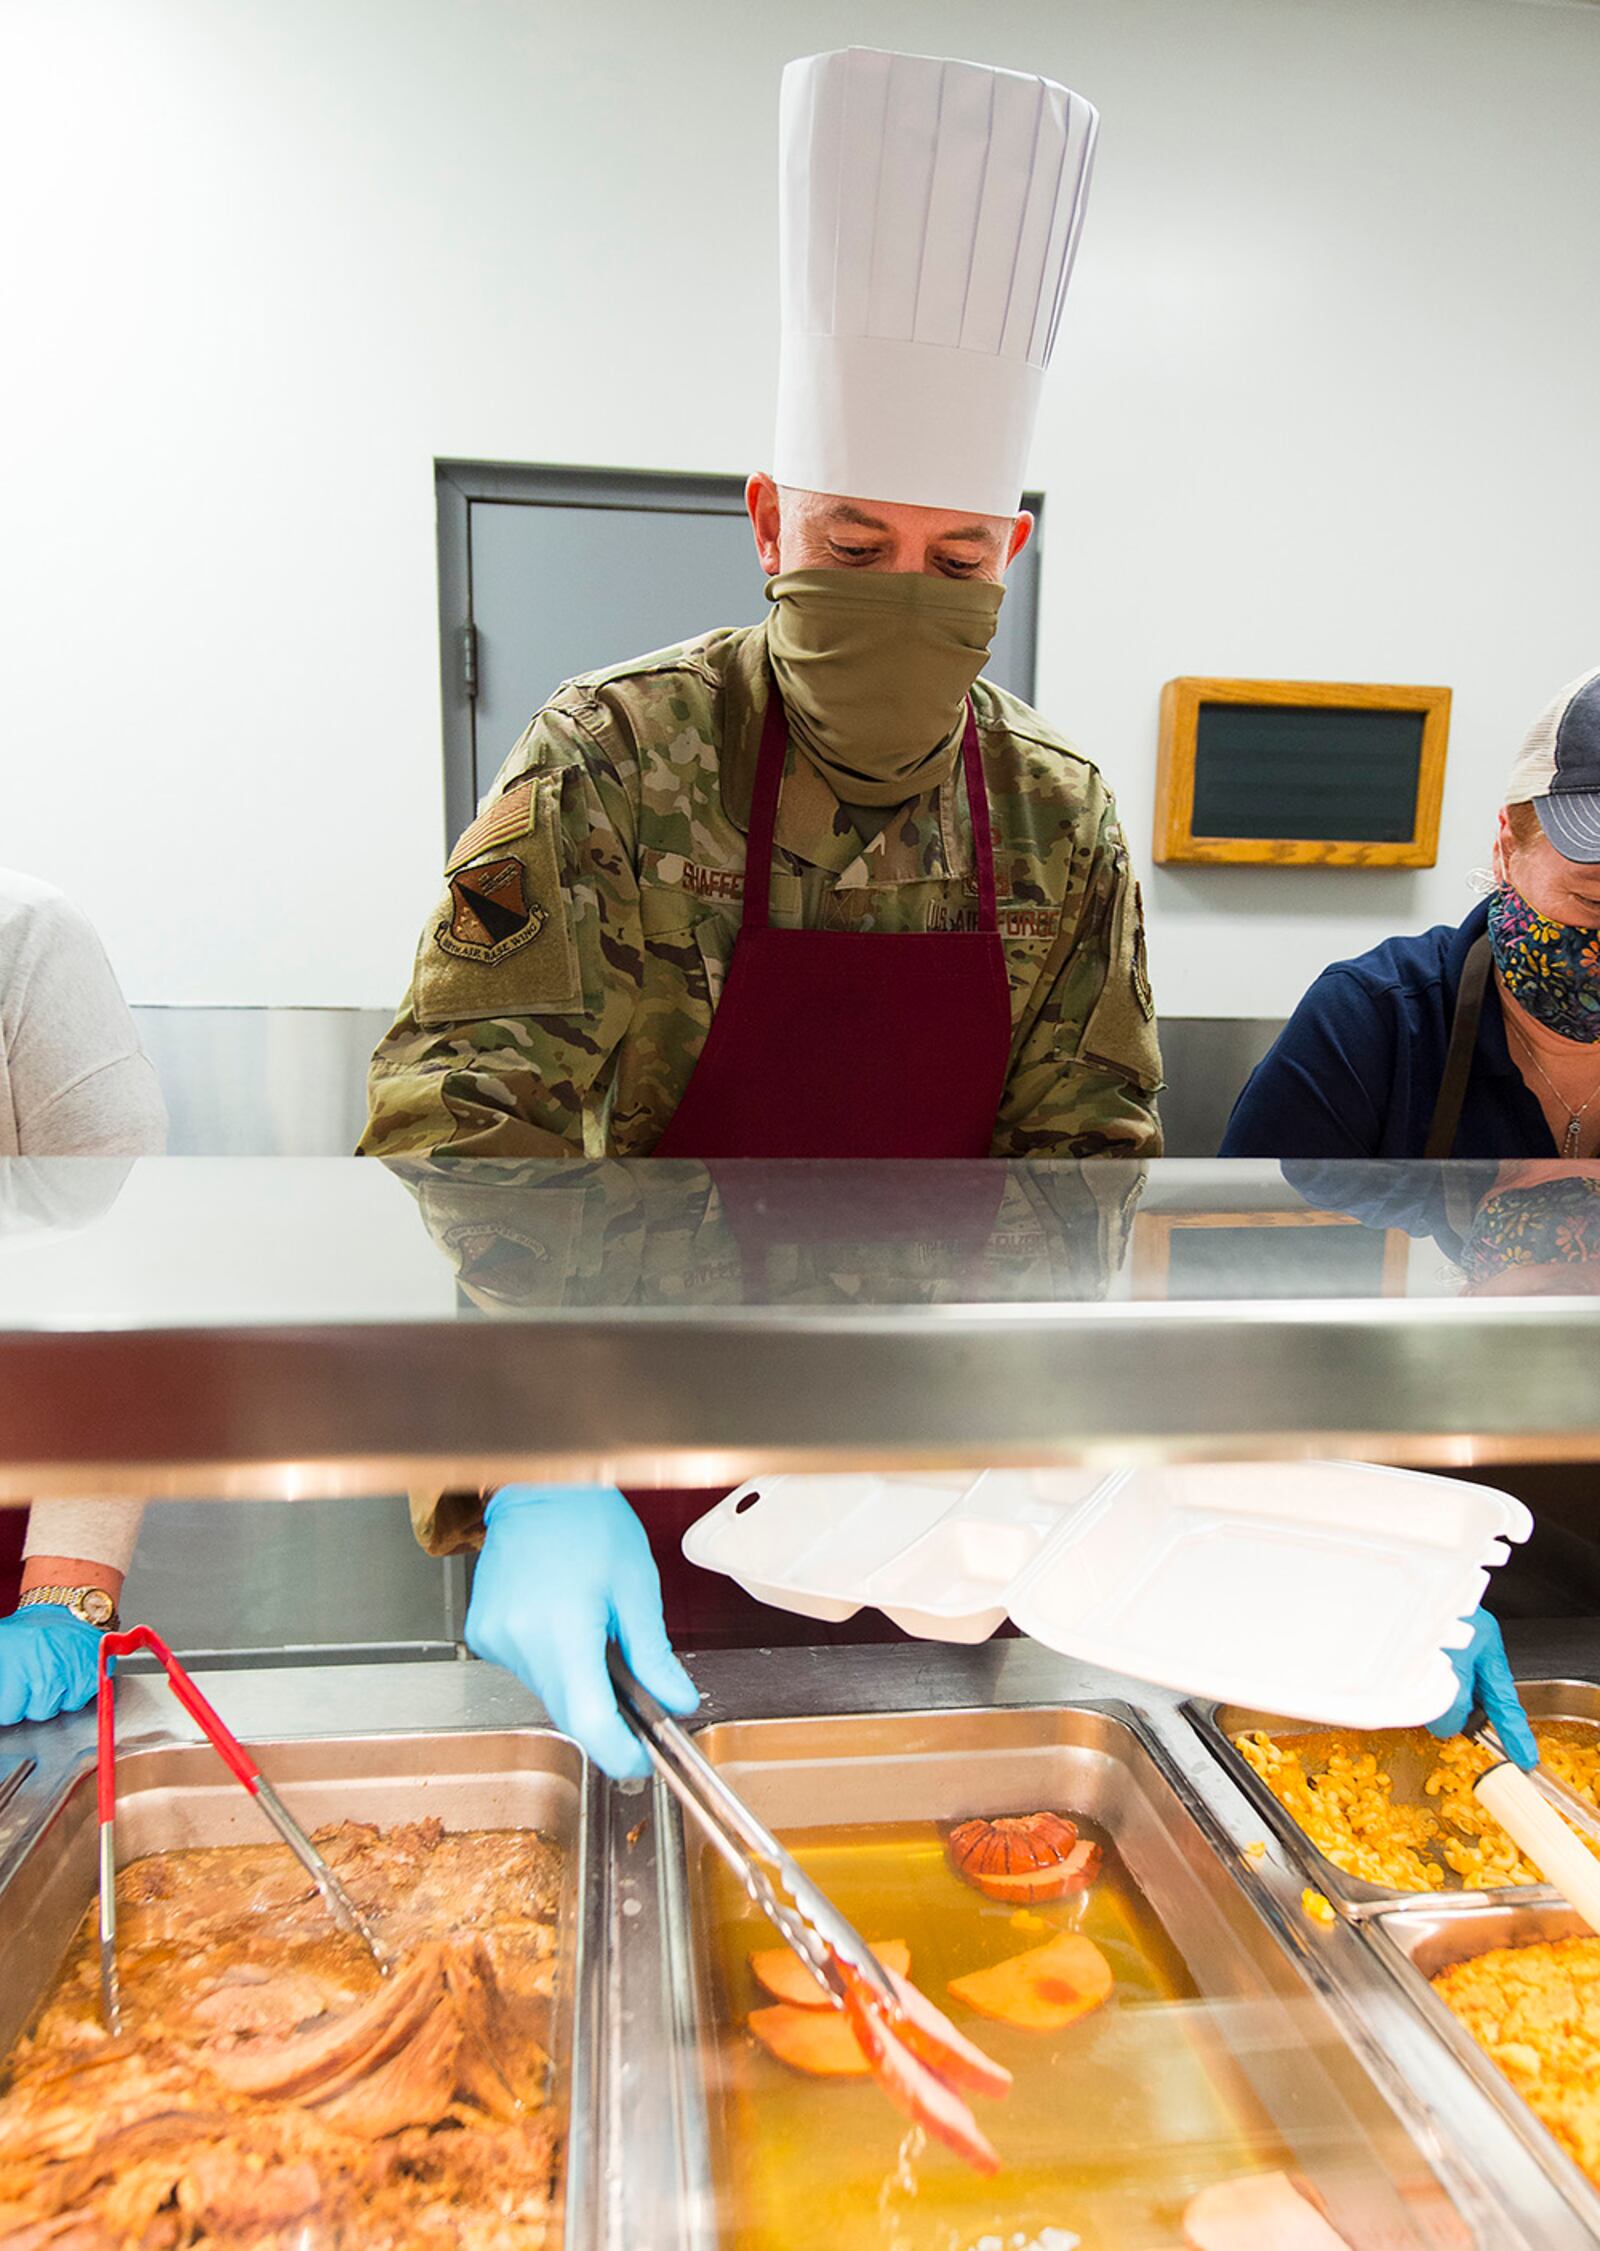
928,213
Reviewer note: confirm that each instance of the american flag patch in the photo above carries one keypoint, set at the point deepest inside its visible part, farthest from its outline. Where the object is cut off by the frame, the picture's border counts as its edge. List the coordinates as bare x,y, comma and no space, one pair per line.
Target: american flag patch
500,823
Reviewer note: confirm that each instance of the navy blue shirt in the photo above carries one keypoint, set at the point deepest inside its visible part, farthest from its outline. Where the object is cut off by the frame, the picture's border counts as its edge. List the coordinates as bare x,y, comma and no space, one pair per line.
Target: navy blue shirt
1356,1070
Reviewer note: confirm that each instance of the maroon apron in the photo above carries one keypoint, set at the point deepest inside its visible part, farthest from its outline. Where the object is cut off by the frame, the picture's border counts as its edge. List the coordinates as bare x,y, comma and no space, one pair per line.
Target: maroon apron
832,1044
13,1531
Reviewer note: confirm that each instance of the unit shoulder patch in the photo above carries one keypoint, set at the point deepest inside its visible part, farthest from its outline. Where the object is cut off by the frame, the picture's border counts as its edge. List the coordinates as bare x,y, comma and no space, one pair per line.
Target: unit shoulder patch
491,914
502,940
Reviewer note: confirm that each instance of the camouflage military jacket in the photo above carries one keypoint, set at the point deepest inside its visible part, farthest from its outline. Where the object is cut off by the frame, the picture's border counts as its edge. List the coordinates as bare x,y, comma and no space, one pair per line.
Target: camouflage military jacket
565,983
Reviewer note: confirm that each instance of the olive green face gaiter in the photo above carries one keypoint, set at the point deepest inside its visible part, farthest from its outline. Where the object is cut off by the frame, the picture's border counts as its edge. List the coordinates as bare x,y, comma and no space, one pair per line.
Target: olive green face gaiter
874,667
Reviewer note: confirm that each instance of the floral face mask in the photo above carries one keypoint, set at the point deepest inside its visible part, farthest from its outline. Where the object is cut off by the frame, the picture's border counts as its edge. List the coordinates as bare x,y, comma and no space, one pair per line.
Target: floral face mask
1552,969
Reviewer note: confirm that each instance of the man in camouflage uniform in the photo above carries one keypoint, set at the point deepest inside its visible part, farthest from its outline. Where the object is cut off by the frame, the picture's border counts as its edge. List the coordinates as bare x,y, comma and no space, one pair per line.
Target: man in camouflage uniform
565,982
567,994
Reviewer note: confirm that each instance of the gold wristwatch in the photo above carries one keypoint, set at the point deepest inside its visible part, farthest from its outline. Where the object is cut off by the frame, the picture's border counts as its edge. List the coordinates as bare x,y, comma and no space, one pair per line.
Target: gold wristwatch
92,1604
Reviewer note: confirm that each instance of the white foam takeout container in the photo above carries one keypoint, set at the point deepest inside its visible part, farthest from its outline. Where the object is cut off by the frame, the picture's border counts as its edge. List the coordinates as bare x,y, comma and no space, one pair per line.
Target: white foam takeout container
1322,1590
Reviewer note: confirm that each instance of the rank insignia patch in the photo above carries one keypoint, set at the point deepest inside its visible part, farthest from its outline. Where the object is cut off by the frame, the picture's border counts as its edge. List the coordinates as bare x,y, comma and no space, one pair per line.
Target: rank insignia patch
491,914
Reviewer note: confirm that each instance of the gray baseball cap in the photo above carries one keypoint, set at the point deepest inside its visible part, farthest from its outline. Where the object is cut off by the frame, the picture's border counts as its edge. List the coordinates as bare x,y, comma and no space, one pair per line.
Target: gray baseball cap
1558,770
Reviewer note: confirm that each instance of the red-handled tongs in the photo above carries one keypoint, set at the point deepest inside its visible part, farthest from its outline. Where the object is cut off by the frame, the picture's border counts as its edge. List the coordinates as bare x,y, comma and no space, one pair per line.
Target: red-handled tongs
244,1769
923,2064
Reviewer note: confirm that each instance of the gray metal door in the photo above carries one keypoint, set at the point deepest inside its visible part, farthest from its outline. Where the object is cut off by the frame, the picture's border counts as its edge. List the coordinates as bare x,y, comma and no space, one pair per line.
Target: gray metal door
544,573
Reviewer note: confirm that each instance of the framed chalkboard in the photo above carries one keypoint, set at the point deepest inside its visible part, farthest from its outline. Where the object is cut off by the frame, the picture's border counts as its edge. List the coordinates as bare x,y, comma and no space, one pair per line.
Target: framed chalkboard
1291,771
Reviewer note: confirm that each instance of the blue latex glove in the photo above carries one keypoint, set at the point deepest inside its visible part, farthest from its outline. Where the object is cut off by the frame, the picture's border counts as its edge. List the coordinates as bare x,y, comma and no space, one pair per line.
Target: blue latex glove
1483,1676
564,1570
48,1661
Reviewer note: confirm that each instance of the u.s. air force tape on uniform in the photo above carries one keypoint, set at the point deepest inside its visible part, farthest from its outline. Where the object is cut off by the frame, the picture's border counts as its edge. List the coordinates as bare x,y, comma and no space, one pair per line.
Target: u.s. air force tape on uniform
501,943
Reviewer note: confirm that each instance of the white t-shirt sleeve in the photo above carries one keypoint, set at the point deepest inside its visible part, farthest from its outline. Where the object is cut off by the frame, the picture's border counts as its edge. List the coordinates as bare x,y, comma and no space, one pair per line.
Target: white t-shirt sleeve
87,1531
73,1076
74,1082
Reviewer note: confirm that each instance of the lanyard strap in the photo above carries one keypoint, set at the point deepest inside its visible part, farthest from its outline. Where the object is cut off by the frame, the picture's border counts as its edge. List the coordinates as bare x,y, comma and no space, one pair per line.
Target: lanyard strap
764,818
1463,1046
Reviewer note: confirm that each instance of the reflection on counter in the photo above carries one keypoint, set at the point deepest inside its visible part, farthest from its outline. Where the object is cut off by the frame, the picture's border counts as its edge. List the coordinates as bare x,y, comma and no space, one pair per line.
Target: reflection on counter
1528,1228
758,1233
185,1240
768,1234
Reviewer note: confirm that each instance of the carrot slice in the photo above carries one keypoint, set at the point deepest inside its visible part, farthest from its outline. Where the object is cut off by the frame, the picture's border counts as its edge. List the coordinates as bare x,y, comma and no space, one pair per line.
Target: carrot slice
820,2042
783,1974
1042,1990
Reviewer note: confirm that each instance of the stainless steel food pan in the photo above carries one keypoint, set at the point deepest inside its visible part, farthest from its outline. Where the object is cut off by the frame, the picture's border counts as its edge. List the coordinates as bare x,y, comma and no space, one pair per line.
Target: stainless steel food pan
1218,1724
179,1795
1273,2044
1417,1946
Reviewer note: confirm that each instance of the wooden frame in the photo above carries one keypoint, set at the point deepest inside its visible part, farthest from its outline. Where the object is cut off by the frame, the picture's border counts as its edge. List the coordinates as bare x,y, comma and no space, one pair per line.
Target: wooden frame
1151,1259
1181,704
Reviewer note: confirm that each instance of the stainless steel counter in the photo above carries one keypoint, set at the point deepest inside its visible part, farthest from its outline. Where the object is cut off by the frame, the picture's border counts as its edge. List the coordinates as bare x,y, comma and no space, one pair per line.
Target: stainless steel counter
279,1330
1501,2189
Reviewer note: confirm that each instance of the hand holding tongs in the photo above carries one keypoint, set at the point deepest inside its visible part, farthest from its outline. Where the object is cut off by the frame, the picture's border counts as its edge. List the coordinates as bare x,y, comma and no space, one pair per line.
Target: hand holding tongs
920,2060
244,1769
1544,1819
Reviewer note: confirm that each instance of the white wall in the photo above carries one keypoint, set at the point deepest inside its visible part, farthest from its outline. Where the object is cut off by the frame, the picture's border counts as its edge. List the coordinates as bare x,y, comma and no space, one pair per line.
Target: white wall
1324,408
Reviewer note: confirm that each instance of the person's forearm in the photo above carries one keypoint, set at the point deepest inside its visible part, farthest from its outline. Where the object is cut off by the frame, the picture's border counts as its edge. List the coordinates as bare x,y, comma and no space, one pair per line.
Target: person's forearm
80,1544
70,1571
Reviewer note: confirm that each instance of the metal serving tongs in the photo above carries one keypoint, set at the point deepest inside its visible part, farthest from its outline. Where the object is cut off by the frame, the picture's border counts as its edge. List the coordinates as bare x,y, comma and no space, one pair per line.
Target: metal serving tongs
922,2063
244,1769
1545,1820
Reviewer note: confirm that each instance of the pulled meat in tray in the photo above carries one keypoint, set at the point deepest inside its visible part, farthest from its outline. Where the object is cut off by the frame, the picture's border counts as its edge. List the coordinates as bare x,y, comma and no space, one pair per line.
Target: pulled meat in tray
269,2088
